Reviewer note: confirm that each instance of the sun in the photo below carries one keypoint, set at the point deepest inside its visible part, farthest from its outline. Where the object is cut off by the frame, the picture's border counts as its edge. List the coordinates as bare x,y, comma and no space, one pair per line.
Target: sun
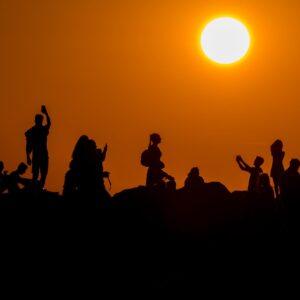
225,40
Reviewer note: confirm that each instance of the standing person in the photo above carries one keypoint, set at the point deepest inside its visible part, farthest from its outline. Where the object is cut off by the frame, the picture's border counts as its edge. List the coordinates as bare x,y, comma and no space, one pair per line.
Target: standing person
36,147
277,170
151,158
291,180
193,181
254,171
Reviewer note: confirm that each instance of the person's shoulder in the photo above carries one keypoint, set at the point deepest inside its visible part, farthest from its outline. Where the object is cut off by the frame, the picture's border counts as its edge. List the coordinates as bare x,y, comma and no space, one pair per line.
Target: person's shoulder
45,128
13,174
29,131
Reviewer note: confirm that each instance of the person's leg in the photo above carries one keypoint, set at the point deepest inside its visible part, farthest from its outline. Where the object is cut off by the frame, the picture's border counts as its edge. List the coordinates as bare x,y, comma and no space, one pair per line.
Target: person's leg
44,171
149,178
35,169
276,187
152,177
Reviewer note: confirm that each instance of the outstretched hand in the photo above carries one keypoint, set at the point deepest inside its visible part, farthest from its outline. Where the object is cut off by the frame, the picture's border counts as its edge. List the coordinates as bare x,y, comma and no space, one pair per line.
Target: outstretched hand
238,158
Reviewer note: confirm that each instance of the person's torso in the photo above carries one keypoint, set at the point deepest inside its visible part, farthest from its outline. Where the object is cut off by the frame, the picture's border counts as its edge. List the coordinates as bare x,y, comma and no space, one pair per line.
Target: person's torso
155,156
277,164
38,136
254,178
13,179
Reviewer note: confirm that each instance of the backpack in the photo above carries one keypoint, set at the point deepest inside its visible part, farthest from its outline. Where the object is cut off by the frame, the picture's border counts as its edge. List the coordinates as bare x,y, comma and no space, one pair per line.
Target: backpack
146,158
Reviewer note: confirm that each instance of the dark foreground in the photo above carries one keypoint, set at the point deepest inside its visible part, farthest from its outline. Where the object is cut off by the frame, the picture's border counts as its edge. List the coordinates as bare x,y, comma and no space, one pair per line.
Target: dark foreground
140,241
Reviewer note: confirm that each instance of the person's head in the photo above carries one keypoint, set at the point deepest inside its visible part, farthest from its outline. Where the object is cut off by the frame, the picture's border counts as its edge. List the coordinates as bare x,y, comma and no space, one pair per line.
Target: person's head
22,168
1,166
155,138
258,162
38,120
277,146
92,145
194,172
80,146
295,164
82,140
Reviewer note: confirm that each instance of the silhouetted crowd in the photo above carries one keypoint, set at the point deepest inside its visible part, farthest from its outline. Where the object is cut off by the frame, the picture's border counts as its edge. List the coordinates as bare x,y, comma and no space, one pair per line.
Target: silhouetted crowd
86,174
286,182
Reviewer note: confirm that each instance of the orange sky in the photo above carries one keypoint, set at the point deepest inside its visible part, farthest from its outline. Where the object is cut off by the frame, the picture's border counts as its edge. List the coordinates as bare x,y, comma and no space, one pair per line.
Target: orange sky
119,70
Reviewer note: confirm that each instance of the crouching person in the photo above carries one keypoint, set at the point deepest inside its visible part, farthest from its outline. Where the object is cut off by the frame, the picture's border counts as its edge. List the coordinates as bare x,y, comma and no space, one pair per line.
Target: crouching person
15,181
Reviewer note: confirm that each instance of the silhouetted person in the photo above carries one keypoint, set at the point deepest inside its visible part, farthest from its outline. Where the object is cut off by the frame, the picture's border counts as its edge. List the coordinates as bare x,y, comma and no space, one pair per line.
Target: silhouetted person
1,172
151,158
3,177
1,169
277,170
86,174
193,180
77,167
291,180
254,171
36,145
264,187
100,158
15,179
71,183
79,154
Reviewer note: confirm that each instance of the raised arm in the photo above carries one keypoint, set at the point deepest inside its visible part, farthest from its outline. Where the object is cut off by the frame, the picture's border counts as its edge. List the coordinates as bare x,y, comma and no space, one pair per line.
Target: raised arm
104,152
48,120
28,146
242,164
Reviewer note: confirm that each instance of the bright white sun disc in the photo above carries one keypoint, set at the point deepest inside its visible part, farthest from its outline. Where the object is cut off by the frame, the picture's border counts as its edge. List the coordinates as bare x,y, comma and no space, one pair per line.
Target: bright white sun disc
225,40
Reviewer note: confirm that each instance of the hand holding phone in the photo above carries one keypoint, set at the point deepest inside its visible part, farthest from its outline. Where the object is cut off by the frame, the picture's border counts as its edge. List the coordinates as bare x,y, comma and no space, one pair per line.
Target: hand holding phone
43,109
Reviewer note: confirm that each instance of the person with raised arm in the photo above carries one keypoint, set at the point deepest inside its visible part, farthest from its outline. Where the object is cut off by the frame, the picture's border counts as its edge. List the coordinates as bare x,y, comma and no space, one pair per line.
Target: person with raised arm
254,171
277,170
36,148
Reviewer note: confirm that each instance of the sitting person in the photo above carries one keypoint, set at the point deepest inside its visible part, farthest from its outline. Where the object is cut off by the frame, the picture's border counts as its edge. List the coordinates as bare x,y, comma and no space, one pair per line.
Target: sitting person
86,174
151,158
193,180
254,171
71,180
15,180
3,177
